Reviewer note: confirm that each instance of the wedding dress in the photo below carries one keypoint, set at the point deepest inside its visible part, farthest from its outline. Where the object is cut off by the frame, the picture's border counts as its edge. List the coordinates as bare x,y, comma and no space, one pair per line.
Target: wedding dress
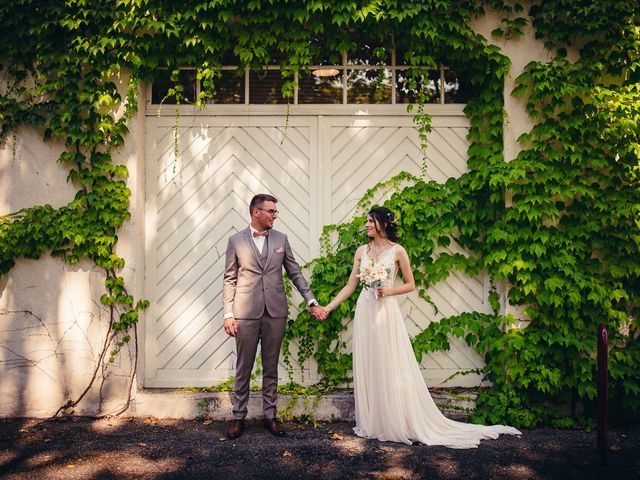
392,402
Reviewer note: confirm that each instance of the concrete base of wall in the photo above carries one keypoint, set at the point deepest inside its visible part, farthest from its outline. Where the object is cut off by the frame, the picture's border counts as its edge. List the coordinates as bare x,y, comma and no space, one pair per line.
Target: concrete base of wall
161,403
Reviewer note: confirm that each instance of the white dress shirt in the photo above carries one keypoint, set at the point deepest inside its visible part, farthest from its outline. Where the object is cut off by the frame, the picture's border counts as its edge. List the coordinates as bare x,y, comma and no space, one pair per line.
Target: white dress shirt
258,241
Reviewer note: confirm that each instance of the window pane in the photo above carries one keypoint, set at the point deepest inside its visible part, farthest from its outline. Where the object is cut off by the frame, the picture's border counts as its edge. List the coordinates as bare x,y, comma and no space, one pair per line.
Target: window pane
420,57
369,55
265,87
321,89
369,86
228,89
456,90
229,59
319,56
408,86
162,84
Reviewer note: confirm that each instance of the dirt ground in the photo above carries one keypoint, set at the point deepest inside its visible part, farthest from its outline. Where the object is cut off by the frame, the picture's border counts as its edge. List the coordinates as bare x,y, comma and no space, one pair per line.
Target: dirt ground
84,448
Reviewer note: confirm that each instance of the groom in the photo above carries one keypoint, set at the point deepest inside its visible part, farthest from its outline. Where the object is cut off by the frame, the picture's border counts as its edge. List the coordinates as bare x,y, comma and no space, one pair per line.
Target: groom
255,306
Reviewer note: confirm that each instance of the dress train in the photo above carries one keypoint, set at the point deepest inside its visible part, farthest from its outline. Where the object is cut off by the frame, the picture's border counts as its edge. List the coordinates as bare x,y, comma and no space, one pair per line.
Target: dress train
392,401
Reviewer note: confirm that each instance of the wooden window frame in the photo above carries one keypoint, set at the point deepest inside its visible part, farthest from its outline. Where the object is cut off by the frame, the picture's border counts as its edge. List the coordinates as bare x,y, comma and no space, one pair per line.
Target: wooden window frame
343,68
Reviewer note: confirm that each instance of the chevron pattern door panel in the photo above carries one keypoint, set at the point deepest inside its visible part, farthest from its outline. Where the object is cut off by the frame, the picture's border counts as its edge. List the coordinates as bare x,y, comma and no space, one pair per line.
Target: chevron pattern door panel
364,151
194,203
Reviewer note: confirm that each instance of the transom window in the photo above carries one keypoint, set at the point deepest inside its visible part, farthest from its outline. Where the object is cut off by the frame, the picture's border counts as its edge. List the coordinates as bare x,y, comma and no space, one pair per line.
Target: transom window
356,80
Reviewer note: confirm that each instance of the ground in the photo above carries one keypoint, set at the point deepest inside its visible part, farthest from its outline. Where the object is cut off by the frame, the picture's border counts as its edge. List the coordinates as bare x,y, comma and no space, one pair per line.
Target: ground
84,448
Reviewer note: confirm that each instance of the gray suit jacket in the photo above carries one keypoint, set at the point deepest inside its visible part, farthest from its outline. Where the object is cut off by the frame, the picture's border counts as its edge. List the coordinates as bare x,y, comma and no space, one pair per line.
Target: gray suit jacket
250,285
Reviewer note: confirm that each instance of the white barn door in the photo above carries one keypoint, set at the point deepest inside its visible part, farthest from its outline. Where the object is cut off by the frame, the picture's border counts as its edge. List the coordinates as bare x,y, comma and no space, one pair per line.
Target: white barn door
318,167
194,203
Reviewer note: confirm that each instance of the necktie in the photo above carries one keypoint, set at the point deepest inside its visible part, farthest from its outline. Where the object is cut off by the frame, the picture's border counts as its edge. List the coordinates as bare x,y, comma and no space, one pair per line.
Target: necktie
261,234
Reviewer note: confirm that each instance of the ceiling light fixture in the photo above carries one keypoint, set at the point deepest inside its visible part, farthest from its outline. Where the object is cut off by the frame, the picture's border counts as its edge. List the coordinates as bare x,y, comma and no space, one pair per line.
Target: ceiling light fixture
325,72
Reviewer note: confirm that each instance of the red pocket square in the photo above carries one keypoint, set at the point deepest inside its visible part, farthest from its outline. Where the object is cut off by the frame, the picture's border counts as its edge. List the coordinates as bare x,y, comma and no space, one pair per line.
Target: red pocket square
279,250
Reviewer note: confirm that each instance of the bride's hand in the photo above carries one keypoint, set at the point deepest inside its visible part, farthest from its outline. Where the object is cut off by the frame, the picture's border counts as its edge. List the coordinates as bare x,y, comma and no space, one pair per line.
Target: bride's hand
319,312
384,292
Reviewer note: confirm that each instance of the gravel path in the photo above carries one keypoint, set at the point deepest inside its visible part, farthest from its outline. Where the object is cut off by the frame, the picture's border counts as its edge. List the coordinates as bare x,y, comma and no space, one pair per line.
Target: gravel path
83,448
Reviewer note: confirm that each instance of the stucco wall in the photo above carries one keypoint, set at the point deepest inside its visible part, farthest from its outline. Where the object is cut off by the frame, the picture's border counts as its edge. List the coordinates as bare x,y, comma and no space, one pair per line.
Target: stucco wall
52,325
51,322
520,51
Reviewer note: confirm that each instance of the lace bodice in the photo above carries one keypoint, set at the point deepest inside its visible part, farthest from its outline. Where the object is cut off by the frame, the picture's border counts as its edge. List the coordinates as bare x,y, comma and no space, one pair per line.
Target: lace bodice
386,260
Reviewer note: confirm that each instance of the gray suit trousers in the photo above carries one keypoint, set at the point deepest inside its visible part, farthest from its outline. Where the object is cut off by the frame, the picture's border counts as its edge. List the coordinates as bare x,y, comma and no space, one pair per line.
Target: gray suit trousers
268,331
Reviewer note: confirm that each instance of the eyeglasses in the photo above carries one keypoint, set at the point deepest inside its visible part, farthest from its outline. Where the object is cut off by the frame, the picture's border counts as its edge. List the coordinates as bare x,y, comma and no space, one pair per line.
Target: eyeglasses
270,211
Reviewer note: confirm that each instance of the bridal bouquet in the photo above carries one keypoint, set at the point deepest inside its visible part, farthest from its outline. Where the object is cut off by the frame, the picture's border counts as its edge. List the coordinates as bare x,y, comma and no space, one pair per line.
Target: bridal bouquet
374,276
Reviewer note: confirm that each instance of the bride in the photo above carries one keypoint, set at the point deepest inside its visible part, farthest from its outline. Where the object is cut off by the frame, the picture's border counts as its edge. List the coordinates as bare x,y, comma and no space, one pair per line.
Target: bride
392,402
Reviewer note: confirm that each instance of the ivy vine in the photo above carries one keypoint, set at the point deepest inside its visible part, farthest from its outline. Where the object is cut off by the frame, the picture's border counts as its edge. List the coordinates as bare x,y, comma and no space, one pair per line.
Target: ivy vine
567,244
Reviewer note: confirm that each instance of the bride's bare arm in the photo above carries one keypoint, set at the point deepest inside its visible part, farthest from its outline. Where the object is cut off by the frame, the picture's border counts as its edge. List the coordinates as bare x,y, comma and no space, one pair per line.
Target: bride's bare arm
351,285
408,284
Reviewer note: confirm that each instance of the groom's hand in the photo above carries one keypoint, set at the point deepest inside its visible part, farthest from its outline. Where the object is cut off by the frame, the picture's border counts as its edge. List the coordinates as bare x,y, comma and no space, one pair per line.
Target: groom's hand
231,326
318,312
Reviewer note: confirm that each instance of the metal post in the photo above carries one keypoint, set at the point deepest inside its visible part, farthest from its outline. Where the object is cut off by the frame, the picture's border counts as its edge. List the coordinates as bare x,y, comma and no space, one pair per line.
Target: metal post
603,384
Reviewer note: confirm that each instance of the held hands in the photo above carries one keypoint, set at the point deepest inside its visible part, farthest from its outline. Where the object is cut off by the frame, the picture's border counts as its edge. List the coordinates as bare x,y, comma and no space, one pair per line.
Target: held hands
231,325
319,312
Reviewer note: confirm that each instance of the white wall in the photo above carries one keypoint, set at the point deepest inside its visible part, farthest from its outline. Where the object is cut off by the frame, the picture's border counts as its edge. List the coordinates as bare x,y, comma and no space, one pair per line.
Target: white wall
520,51
52,325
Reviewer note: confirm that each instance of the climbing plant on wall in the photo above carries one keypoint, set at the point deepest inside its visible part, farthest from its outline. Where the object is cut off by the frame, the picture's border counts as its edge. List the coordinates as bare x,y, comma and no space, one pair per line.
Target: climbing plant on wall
559,223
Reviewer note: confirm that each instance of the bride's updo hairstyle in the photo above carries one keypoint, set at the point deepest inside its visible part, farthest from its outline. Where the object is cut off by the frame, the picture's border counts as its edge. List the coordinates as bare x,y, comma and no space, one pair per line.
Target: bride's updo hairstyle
386,219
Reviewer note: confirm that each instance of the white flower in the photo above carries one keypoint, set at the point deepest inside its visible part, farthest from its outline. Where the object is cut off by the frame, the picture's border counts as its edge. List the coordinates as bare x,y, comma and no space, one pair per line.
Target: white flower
374,276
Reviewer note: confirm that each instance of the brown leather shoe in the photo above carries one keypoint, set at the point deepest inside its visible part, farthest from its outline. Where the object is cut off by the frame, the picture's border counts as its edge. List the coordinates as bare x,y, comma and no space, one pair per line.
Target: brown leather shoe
273,427
235,428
